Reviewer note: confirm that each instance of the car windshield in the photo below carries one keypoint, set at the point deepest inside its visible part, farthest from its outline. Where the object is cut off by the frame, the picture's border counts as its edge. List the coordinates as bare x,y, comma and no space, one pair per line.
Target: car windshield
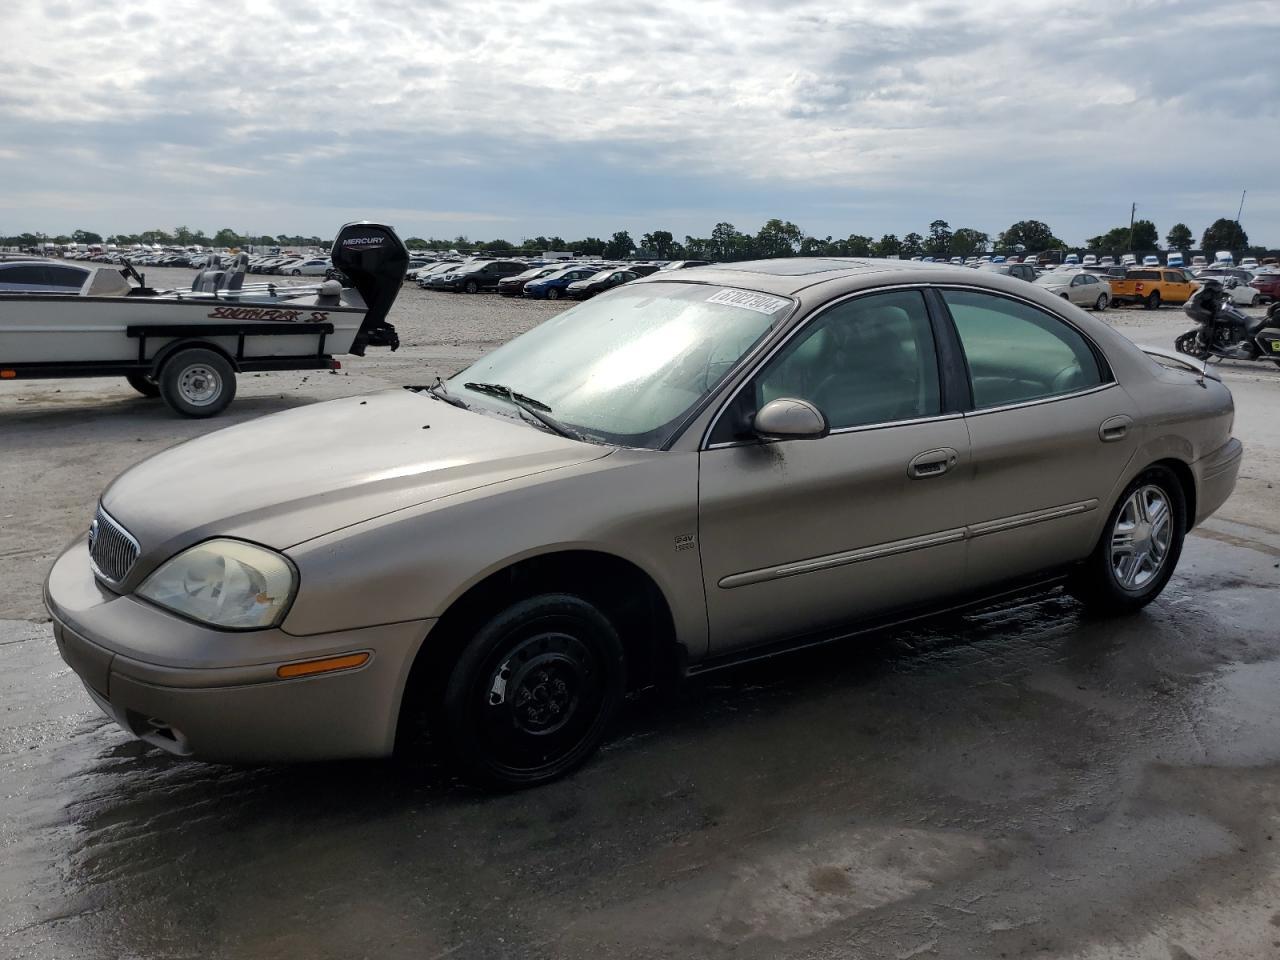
629,366
1056,278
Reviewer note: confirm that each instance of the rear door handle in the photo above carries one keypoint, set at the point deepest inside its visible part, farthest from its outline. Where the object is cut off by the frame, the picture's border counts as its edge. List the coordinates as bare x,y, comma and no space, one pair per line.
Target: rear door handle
932,463
1114,428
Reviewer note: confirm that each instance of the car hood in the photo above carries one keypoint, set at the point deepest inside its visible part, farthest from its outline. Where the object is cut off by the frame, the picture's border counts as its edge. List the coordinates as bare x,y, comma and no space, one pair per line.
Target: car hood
296,475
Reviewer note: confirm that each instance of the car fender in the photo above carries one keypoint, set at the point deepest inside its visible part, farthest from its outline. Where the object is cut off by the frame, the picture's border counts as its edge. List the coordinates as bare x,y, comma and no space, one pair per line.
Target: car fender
414,564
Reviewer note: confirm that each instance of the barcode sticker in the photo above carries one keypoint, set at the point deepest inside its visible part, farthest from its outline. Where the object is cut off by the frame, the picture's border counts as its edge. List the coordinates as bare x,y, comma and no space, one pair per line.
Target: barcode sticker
748,300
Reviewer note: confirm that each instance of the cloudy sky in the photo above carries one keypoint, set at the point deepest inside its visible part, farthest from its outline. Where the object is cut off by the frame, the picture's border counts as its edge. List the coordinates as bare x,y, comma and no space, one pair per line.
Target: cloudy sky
509,118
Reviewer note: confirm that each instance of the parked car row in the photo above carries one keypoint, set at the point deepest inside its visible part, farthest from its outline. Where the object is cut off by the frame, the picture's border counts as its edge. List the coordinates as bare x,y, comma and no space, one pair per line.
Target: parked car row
536,279
294,265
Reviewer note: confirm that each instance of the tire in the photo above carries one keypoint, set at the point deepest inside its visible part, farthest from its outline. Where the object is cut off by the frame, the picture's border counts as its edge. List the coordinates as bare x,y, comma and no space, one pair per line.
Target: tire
145,385
1153,300
472,287
533,693
553,294
295,273
1256,301
1106,583
1102,302
1065,297
197,382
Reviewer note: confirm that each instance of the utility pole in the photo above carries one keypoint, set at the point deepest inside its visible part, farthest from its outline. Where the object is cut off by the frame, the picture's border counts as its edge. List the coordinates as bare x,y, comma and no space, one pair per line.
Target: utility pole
1241,210
1133,209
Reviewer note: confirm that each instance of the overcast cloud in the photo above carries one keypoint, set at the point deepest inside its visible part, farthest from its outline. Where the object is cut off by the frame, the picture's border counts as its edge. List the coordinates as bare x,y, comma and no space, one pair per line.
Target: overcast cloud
512,119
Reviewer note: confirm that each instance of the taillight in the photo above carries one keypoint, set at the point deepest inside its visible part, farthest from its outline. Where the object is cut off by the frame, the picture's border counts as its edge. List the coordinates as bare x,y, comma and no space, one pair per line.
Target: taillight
1138,285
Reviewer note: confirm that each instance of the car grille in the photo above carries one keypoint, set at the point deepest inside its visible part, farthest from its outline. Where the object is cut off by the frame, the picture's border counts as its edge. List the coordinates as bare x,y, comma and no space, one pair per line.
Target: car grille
111,549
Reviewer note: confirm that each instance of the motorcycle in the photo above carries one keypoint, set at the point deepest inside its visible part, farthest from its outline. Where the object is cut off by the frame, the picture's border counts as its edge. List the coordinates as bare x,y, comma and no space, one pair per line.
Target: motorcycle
1226,332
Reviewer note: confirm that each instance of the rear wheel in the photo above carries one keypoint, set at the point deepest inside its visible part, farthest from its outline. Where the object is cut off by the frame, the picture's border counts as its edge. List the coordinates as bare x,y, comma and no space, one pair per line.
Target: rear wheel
1102,302
197,382
145,385
1153,300
531,696
1139,548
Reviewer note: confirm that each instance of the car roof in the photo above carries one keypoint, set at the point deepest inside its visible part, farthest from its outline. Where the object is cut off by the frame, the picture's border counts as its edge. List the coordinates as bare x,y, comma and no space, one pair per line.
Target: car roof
790,275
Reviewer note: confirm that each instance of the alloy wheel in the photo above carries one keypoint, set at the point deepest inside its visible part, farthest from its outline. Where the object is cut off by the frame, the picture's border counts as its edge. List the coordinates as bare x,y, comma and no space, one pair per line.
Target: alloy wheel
1141,537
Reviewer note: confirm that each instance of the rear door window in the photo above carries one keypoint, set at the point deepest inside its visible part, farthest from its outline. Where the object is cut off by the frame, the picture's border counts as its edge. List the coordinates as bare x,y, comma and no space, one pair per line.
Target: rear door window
1017,352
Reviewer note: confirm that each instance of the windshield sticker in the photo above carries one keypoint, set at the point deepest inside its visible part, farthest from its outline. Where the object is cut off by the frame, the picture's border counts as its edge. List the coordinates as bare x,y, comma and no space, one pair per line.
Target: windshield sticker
759,302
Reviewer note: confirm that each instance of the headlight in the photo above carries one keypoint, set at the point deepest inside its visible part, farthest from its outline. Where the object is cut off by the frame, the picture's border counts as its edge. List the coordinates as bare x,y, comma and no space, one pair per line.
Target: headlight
224,583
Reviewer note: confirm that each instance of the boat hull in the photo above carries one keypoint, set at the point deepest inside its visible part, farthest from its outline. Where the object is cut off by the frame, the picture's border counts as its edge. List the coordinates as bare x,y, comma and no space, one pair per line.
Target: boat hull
38,329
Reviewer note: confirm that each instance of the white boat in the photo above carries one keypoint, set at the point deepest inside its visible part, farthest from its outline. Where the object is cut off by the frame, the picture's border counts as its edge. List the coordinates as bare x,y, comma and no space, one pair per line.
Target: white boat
187,345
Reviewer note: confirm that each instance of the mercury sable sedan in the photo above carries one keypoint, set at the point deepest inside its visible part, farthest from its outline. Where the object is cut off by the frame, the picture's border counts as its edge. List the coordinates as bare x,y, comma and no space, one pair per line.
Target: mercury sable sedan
695,468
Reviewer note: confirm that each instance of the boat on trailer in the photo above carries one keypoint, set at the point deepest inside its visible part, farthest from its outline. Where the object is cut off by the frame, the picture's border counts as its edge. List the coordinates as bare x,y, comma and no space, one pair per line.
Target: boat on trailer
186,346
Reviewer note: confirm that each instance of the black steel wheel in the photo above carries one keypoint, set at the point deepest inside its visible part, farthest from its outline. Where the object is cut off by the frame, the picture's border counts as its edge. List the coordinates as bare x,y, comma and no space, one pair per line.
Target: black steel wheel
532,694
1153,300
1139,547
197,382
145,385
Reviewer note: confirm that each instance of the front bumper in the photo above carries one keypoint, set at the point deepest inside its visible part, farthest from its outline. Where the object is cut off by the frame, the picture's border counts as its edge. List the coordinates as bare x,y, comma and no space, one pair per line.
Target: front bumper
213,695
1215,476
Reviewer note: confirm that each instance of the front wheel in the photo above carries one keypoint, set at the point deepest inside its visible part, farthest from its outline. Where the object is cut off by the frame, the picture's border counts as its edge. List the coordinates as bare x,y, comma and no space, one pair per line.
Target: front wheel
1101,303
532,694
553,294
197,382
472,286
145,385
1256,301
1139,548
1189,343
296,273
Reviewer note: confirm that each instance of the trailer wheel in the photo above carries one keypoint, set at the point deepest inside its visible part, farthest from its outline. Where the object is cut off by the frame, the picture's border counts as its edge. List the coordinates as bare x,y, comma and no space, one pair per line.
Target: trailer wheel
197,382
145,385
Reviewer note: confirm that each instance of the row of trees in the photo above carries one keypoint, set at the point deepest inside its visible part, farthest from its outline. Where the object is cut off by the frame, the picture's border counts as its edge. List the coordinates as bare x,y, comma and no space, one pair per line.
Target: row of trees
777,238
178,236
1222,234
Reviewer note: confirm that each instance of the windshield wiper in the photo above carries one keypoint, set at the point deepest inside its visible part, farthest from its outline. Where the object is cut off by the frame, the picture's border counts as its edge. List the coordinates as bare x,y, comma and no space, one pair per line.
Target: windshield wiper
534,408
441,392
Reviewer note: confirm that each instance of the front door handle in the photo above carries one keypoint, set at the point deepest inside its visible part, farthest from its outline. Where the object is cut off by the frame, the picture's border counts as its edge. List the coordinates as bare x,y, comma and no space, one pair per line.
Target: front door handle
1114,428
932,463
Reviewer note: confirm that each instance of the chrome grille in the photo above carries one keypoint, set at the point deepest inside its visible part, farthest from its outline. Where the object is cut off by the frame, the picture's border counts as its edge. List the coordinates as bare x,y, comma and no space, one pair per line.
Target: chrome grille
112,550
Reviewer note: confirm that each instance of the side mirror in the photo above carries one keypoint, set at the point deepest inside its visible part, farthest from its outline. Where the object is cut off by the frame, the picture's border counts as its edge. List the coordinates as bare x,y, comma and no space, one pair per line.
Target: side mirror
790,419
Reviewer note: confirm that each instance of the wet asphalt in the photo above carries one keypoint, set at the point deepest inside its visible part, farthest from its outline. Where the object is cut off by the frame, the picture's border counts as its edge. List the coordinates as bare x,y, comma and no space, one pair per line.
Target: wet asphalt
1018,781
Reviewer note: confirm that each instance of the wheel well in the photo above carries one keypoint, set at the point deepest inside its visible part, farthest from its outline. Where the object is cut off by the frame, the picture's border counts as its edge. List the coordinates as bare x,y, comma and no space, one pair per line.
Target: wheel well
624,593
1188,482
165,353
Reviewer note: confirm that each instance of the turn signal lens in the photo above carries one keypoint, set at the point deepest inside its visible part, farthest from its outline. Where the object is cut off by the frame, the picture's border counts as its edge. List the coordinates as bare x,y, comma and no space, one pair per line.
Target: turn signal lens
308,667
8,374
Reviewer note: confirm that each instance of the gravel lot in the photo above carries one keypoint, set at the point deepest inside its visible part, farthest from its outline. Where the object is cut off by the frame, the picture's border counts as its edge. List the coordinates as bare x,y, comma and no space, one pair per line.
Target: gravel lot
1022,781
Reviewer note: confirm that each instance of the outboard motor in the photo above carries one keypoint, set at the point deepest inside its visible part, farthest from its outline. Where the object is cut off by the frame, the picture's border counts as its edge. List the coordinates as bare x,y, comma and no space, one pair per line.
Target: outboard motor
374,259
